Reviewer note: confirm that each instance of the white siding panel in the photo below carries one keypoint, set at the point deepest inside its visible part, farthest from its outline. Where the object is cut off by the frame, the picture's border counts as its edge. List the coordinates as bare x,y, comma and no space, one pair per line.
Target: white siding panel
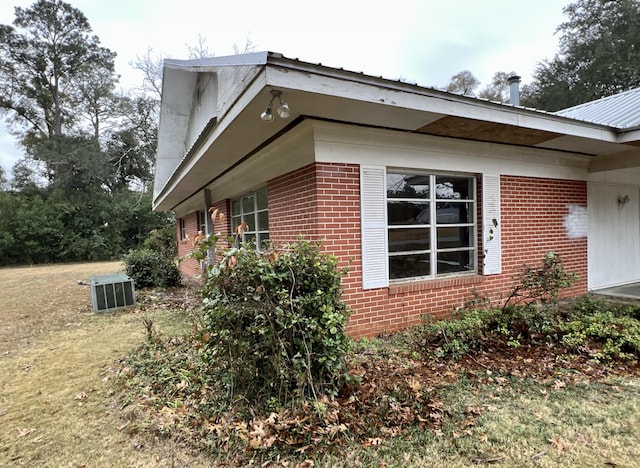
614,235
491,242
373,216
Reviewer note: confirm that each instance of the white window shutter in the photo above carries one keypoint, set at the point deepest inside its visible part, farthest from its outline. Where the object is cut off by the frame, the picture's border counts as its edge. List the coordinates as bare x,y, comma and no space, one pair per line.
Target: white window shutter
373,222
491,243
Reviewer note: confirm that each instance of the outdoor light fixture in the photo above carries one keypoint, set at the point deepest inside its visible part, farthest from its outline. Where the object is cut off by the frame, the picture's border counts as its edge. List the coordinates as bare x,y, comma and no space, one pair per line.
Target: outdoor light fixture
283,110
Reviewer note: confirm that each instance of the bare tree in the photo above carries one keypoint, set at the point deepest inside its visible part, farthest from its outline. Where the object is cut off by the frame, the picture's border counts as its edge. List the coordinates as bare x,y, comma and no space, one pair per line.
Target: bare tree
150,64
200,49
249,47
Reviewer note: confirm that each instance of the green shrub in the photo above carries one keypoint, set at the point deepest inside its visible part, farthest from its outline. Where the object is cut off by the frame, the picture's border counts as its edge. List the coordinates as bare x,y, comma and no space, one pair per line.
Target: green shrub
542,283
594,326
591,325
277,322
591,305
150,268
612,335
467,329
163,241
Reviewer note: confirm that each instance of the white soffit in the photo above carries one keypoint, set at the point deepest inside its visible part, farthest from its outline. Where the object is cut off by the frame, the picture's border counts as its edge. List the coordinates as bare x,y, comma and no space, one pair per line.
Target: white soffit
581,145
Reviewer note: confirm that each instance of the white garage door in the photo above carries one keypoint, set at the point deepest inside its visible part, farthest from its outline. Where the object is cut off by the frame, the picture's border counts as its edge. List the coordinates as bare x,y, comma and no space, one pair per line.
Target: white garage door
614,234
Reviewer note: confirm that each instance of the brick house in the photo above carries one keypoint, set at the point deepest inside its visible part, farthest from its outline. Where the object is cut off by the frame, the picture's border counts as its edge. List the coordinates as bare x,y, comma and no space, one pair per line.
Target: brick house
428,196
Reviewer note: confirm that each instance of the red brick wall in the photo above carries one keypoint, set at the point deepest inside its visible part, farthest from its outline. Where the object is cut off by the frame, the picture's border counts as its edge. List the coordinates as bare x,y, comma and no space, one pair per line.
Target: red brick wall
222,225
292,206
322,201
533,213
190,267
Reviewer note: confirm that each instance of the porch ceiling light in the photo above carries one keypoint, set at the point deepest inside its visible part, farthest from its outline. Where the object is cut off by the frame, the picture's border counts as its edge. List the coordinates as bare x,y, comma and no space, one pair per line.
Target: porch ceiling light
283,109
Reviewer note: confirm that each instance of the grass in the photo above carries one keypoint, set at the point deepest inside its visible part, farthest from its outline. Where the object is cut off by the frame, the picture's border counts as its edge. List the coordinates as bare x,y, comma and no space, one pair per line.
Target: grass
60,404
519,423
57,367
567,414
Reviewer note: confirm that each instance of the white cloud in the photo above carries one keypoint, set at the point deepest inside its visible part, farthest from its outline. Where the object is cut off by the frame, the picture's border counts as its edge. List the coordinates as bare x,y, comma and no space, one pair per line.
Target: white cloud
423,41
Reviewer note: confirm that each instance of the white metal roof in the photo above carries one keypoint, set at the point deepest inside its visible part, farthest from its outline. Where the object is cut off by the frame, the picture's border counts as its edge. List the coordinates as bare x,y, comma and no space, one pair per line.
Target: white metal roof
620,110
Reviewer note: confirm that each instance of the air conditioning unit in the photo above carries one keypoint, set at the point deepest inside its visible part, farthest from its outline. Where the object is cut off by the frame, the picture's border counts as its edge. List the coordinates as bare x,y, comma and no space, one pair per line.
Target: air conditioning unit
111,292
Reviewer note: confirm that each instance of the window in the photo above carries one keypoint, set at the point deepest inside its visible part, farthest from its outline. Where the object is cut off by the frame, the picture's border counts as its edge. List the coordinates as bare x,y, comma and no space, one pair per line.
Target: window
431,227
183,228
251,209
202,222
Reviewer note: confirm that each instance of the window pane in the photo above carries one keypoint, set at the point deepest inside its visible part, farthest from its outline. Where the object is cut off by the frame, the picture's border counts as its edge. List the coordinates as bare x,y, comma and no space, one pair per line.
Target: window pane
454,213
251,222
262,199
454,188
405,240
235,207
257,220
248,203
400,212
407,186
452,262
263,221
406,266
263,238
454,237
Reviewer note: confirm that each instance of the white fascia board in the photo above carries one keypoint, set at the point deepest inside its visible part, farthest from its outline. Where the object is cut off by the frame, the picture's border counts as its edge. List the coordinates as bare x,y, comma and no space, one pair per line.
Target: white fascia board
213,63
629,136
410,97
566,126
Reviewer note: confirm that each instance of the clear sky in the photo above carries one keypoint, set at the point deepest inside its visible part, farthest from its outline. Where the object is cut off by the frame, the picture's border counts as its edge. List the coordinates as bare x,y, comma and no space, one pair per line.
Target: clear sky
421,41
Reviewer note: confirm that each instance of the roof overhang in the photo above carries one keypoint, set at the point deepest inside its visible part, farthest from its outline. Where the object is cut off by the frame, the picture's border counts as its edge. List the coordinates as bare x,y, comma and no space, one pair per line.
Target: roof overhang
316,91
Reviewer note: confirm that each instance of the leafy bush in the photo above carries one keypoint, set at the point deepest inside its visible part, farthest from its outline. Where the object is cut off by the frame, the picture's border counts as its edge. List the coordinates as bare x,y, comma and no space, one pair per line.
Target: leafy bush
467,329
543,283
277,322
150,268
603,334
599,328
163,241
592,305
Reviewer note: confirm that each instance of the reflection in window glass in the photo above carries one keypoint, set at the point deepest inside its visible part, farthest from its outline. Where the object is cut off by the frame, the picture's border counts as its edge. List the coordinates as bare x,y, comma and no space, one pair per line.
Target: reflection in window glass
407,186
454,188
408,266
417,246
404,212
408,240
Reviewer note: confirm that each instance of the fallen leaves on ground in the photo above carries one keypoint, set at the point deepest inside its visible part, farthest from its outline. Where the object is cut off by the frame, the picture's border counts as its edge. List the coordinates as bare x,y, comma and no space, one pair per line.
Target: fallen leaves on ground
395,390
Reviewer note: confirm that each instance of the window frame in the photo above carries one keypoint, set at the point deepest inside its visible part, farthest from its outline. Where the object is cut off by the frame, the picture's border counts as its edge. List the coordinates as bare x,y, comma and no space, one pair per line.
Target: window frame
201,221
434,250
182,224
252,217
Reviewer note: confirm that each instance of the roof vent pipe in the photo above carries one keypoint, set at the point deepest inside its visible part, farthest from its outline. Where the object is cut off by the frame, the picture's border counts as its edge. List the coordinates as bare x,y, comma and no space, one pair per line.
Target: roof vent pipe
514,89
